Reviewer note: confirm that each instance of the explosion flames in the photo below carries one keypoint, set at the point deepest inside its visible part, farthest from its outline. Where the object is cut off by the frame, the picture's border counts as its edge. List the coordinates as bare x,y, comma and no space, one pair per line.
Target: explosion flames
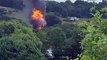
37,15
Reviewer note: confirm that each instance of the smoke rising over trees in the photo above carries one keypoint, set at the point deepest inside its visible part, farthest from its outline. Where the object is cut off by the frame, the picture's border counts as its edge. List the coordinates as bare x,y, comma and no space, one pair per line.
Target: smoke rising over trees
80,40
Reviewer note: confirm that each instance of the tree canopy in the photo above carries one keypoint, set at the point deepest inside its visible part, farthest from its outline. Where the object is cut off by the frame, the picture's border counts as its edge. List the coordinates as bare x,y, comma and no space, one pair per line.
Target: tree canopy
80,9
18,42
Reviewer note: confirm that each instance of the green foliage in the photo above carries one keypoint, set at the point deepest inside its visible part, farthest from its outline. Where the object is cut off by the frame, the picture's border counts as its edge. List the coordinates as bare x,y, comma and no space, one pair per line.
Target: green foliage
64,39
80,9
52,20
56,39
74,36
42,36
17,42
67,8
95,42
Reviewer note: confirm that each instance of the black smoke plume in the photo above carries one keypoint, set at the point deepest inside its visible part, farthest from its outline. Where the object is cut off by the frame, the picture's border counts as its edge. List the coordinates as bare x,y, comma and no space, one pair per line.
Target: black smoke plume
27,12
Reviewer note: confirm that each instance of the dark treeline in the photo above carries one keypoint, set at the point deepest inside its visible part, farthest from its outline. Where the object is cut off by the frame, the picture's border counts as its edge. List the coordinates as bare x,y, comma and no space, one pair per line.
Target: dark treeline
17,4
80,9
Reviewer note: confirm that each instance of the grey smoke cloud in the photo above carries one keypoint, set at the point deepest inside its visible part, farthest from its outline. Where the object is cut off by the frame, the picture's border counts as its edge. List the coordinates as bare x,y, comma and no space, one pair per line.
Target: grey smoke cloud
39,5
26,13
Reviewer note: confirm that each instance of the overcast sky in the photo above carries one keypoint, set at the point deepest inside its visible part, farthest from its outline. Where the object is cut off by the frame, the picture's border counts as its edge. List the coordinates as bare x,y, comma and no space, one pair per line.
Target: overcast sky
74,0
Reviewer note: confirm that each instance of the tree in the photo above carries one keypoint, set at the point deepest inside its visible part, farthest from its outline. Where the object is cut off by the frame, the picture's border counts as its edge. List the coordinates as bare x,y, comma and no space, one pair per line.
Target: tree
74,36
56,40
80,9
18,42
95,42
42,35
52,20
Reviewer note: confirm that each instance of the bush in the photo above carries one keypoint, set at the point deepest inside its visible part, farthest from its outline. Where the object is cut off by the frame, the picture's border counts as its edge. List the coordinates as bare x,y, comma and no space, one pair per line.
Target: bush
52,20
95,42
18,42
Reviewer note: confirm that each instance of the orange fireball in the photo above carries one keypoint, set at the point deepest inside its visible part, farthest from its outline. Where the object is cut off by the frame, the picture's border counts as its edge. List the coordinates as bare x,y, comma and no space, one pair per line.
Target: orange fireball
37,15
